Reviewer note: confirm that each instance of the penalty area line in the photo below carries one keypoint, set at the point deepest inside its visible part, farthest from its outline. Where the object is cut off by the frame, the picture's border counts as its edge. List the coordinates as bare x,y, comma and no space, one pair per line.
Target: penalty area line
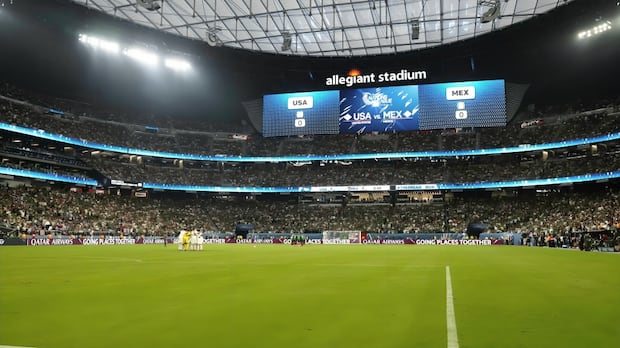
453,340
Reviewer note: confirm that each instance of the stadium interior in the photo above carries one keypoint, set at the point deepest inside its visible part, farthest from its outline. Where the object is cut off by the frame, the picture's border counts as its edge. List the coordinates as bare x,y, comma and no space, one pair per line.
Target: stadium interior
574,131
429,164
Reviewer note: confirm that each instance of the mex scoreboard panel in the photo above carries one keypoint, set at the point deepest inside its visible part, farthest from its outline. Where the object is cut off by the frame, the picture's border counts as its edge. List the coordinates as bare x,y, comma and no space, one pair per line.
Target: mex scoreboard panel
386,109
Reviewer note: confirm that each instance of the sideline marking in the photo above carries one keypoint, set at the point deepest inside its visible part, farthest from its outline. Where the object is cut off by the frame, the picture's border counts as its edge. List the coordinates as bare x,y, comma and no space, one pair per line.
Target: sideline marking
453,341
14,347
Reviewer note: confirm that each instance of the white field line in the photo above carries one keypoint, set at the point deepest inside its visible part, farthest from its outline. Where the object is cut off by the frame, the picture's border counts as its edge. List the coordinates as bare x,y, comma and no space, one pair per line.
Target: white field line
453,340
14,347
267,264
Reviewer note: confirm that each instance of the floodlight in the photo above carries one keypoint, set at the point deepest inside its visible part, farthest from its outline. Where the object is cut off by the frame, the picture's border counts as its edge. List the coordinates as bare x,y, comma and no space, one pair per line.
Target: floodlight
97,43
109,46
177,64
599,29
142,56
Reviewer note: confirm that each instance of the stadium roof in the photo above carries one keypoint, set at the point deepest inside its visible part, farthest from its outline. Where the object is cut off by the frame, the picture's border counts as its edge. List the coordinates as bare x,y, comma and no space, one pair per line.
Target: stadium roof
326,27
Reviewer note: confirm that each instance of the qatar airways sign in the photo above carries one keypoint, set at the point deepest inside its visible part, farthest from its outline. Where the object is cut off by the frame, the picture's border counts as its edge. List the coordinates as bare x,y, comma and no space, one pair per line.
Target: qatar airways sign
79,241
355,77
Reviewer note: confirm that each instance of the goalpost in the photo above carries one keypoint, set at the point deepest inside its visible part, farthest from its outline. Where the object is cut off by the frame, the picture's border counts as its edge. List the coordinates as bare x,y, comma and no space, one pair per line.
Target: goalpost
342,237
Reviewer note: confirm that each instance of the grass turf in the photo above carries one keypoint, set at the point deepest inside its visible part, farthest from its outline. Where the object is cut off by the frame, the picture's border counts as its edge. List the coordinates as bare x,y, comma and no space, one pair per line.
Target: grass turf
313,296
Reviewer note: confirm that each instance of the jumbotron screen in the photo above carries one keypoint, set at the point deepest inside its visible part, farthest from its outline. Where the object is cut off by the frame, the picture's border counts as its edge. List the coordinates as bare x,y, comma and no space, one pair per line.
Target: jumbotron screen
386,109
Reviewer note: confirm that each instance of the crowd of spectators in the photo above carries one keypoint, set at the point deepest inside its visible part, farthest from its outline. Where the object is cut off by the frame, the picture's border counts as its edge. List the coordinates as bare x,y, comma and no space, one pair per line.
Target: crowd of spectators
543,219
368,172
35,153
560,125
45,168
122,132
43,210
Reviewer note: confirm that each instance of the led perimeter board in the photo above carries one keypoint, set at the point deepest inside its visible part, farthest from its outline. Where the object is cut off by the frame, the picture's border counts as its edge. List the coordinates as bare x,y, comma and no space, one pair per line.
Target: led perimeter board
386,109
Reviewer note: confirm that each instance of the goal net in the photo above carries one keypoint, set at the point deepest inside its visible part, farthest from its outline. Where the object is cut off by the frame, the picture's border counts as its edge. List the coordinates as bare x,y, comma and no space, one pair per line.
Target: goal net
342,237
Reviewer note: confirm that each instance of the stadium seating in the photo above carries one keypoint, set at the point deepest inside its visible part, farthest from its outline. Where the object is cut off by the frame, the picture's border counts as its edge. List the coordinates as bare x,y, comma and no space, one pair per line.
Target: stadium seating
43,210
544,129
69,209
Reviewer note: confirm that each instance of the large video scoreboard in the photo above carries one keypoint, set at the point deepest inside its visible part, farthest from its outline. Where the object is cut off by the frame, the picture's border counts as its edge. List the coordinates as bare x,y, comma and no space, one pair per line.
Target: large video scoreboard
386,109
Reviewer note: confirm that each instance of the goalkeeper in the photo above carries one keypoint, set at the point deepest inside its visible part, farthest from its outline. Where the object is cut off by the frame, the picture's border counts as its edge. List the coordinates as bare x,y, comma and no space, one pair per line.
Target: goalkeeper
186,238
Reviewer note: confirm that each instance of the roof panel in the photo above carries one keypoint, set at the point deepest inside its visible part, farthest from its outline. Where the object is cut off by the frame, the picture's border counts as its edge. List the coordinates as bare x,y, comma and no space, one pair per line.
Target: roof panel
374,51
525,7
450,9
353,34
544,7
508,8
326,27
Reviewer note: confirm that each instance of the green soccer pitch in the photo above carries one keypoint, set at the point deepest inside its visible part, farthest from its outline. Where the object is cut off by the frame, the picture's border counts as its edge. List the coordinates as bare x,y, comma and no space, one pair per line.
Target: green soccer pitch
279,296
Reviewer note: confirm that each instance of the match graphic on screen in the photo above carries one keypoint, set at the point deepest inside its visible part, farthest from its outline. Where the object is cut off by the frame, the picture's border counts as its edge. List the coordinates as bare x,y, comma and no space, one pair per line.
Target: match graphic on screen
381,109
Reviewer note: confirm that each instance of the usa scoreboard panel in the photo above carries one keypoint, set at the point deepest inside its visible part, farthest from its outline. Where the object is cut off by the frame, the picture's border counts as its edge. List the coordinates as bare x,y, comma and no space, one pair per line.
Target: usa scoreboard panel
300,113
386,109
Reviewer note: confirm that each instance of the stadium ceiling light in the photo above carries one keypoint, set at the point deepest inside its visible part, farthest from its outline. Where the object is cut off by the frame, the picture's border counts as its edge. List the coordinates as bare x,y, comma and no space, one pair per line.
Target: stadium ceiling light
287,40
142,56
177,64
492,12
95,42
415,29
151,5
599,29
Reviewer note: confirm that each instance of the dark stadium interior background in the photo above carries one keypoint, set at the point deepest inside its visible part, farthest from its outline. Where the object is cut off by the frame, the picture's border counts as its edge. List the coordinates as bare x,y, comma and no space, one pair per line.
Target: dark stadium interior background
40,52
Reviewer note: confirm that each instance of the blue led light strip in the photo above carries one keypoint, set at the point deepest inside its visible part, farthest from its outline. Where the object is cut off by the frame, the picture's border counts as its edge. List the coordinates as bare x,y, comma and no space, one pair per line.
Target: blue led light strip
232,189
463,186
445,186
46,176
359,156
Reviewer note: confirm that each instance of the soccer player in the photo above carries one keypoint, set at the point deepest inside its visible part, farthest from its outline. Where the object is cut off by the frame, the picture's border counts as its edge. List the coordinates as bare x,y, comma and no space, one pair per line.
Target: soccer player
180,239
186,237
193,241
200,240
